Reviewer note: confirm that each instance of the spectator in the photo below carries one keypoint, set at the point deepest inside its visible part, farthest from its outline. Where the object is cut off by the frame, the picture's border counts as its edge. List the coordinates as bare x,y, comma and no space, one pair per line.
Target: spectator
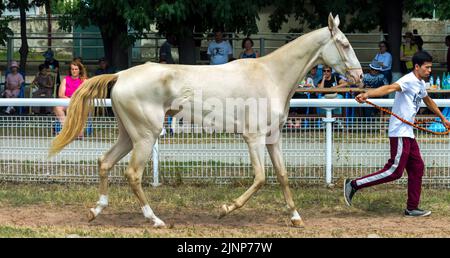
165,51
53,65
447,43
383,60
374,79
103,67
13,83
219,51
418,39
69,85
409,48
45,83
330,80
311,81
248,51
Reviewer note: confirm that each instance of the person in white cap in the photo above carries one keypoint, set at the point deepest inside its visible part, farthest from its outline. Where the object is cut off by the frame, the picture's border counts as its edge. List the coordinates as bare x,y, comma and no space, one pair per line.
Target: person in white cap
13,82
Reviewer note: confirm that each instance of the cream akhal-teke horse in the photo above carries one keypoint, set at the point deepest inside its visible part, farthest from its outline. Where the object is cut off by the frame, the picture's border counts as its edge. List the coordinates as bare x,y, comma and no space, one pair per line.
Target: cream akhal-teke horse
142,95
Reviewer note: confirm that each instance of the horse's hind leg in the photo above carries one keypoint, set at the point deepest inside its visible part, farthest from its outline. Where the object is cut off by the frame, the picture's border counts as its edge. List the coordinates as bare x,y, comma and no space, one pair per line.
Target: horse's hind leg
277,161
140,155
256,149
105,163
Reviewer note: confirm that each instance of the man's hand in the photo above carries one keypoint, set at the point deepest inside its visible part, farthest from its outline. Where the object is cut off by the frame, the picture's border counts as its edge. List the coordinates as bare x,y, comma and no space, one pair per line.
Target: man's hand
361,98
446,123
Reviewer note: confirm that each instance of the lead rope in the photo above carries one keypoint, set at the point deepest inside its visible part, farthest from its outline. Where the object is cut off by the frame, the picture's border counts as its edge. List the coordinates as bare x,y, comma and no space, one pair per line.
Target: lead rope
415,124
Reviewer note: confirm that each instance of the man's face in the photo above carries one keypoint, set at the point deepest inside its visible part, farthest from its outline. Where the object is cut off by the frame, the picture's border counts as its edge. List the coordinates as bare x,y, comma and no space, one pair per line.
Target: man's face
424,70
102,65
218,36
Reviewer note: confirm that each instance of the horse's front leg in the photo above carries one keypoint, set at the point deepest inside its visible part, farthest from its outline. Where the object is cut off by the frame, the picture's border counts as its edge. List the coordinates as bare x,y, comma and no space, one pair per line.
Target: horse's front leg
256,150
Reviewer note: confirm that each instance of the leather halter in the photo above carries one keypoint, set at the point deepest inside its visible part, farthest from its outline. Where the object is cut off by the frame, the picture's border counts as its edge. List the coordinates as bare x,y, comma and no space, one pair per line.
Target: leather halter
347,68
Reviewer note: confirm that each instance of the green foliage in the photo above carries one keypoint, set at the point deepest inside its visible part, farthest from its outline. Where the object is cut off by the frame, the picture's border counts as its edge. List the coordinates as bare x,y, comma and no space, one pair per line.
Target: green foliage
5,31
177,16
355,15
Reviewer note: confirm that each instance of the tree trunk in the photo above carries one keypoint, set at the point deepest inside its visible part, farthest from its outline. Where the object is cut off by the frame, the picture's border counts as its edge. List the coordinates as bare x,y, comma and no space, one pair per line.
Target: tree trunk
186,48
115,47
393,14
48,9
23,35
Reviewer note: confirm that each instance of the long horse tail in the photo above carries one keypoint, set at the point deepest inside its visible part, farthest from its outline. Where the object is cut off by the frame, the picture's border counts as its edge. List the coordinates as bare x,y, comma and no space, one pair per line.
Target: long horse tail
81,104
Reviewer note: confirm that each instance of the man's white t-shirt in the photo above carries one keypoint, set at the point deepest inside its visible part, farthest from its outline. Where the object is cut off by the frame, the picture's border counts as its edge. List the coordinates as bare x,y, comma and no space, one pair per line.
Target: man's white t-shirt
406,105
219,52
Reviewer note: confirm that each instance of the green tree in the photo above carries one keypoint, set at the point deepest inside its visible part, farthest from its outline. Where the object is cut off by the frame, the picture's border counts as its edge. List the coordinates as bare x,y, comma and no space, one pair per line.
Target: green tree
23,6
5,31
121,22
359,15
186,17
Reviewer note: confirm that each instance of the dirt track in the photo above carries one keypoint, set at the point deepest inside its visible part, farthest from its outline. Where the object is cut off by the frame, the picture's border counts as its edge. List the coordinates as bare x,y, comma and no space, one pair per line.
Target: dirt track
63,221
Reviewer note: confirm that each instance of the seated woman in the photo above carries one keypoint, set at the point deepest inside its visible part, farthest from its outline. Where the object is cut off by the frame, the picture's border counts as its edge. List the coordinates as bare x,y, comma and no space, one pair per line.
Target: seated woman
13,83
44,83
69,85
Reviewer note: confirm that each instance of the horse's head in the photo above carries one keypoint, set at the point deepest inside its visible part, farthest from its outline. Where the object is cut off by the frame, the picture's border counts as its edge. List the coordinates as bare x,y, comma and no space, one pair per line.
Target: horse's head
339,54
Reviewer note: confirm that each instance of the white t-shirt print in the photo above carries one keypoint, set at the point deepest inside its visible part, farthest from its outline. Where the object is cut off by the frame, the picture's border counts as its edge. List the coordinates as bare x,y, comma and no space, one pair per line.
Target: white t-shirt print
406,105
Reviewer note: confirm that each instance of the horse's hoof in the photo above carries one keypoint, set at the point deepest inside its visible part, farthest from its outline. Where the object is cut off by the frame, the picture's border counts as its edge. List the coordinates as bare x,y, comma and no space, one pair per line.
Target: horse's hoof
298,223
223,211
159,224
91,215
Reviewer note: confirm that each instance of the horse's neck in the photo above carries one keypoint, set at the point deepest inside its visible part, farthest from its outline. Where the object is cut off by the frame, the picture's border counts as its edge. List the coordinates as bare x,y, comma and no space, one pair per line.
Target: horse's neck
290,63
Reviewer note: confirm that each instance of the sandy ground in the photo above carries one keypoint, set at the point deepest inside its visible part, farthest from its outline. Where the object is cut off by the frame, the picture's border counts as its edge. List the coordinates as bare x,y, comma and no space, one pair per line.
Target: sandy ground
69,220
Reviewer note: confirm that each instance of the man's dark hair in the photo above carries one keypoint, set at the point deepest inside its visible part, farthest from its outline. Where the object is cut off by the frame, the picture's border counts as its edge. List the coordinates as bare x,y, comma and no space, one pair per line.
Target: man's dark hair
447,38
218,29
420,57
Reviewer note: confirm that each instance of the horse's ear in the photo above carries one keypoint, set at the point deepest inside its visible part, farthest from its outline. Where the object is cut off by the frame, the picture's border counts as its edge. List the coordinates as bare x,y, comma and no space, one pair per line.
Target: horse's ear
330,22
337,21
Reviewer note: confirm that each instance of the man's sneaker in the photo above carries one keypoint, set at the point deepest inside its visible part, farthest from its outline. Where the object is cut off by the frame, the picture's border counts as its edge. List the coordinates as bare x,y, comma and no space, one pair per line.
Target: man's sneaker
417,213
349,191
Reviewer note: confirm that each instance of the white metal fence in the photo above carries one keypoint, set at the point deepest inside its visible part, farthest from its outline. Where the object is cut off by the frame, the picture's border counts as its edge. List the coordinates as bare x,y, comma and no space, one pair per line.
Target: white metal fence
356,146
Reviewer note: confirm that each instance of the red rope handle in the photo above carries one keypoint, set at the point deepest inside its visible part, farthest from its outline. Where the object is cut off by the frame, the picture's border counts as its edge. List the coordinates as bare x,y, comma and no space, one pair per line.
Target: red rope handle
415,125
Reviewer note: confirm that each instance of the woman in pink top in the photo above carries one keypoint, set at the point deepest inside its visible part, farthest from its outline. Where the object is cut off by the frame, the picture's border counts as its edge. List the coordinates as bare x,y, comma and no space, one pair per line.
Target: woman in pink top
69,85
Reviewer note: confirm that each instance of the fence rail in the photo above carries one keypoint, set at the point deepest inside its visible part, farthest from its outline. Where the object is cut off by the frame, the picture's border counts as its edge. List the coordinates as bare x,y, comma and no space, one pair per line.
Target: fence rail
315,149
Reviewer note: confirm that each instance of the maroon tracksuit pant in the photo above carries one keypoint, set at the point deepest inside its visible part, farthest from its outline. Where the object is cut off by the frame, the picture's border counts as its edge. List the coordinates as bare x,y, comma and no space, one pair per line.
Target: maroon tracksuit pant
405,153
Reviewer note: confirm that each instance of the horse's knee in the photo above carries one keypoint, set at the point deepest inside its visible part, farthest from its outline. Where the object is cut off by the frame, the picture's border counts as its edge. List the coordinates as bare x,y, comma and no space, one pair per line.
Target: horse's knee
259,181
104,167
133,178
283,179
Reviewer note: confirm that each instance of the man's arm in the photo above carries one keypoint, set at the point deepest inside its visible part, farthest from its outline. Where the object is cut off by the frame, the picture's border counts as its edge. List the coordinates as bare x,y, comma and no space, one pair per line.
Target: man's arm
342,84
434,108
378,92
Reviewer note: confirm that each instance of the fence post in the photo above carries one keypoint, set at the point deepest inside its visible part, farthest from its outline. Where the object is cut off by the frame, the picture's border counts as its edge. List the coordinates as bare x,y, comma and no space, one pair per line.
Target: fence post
262,47
328,120
155,158
10,50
